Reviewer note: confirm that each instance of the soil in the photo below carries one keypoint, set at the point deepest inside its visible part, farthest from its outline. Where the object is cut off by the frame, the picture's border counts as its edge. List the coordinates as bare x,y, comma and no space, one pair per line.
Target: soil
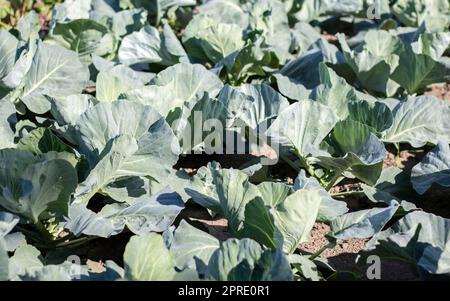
343,256
441,91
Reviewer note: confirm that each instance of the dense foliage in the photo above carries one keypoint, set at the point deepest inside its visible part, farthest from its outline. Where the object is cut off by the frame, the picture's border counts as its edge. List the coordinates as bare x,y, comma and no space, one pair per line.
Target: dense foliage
99,109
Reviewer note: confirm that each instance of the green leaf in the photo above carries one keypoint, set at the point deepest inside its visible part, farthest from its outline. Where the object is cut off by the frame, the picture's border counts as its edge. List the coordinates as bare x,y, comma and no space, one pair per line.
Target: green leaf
416,71
109,87
26,259
434,168
420,239
244,259
358,151
175,86
190,244
297,126
147,214
41,141
157,147
363,223
30,187
418,121
146,258
85,37
151,46
56,72
7,120
209,39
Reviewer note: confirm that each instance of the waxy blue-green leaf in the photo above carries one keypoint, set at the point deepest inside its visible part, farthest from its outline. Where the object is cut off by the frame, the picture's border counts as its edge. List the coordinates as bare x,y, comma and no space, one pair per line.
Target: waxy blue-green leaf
305,68
151,46
375,60
281,220
434,168
418,121
225,11
414,12
357,151
147,258
208,39
7,223
26,259
266,104
85,37
109,87
147,214
8,120
31,186
297,126
8,49
56,72
176,85
420,238
329,208
245,260
190,244
363,223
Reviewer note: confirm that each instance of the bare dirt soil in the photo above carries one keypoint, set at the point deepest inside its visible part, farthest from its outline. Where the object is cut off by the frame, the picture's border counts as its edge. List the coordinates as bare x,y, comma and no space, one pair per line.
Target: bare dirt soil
441,91
344,256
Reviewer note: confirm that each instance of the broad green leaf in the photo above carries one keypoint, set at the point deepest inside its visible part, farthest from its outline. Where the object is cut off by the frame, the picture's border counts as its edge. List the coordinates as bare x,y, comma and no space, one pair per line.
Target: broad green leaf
209,39
29,26
109,87
297,126
266,105
67,110
7,120
434,168
4,262
291,88
72,10
26,259
176,85
225,11
419,238
7,223
270,18
414,13
151,46
48,273
358,151
377,115
107,170
245,260
56,72
8,49
374,62
157,147
85,37
305,68
363,223
147,258
41,141
329,208
418,121
334,91
147,214
295,217
393,184
30,187
416,71
127,21
190,244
